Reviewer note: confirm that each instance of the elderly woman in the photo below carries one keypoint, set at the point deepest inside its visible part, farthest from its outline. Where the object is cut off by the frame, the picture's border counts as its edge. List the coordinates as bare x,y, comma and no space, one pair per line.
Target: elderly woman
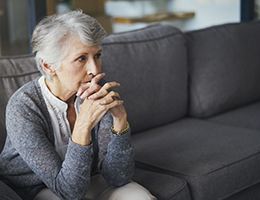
67,136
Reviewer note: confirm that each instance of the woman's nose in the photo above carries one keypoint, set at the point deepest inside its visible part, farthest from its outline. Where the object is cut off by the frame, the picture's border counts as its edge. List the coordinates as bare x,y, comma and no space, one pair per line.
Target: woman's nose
93,68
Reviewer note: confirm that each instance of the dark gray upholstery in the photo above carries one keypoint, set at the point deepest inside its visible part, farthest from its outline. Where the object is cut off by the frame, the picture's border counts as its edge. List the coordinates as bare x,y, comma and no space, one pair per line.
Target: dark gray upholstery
149,63
163,186
247,116
14,72
248,194
166,76
224,65
7,193
207,155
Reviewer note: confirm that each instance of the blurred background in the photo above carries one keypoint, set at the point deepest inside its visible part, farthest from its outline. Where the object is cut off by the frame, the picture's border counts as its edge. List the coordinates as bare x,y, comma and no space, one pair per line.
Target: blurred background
19,17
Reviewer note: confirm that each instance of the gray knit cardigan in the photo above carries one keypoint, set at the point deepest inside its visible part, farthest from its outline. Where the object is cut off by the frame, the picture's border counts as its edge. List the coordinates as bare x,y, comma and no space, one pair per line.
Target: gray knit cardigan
29,161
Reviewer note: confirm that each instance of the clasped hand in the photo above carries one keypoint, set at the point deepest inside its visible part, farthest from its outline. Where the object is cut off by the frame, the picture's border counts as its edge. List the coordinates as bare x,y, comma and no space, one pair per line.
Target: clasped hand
97,102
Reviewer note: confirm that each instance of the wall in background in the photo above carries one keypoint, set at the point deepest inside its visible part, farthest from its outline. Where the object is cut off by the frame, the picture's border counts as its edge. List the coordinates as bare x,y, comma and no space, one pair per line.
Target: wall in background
18,21
14,25
207,12
14,22
257,9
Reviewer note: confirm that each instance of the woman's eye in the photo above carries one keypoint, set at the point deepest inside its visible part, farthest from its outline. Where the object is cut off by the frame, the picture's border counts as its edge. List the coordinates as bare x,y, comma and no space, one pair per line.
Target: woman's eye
82,58
97,56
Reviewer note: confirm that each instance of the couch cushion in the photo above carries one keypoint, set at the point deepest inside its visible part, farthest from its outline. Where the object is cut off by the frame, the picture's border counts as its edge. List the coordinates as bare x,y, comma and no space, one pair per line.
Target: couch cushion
247,116
162,186
224,67
252,193
216,160
7,193
151,66
14,72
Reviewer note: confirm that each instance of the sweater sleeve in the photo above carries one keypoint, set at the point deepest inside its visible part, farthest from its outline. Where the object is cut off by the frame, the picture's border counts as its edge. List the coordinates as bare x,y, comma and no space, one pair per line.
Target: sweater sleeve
116,154
26,128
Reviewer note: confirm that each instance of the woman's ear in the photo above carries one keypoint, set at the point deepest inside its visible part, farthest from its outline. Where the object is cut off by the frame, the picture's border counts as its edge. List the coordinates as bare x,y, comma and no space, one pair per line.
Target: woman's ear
48,69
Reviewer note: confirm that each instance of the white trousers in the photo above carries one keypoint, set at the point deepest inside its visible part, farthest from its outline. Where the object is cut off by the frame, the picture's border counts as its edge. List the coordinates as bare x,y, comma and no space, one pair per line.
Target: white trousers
100,190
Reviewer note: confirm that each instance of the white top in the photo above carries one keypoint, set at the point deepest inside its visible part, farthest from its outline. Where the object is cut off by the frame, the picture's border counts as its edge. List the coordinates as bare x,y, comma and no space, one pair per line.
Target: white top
58,114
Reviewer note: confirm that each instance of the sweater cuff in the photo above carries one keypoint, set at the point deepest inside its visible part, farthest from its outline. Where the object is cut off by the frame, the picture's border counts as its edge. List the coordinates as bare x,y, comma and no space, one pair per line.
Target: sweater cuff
121,140
78,155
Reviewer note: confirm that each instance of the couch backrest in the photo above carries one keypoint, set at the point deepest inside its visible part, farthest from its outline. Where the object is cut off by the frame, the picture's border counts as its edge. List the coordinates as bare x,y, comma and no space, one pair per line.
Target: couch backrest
151,65
14,72
224,64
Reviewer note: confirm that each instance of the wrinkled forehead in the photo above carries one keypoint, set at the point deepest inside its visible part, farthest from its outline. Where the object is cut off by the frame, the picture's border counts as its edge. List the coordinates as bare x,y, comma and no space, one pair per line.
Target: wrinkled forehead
75,47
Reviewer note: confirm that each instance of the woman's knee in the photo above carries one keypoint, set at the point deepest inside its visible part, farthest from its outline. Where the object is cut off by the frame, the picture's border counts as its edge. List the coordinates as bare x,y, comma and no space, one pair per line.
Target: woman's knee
131,191
46,194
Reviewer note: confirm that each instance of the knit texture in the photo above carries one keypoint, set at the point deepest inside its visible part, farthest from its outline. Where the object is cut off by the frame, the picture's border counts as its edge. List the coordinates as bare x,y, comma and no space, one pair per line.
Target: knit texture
29,160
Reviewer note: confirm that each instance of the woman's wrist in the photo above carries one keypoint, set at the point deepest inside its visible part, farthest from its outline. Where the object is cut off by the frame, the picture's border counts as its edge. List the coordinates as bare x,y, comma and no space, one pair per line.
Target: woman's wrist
81,138
120,123
122,132
80,141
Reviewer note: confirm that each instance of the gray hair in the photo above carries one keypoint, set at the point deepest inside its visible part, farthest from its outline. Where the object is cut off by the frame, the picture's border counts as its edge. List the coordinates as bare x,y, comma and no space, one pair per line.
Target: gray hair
51,35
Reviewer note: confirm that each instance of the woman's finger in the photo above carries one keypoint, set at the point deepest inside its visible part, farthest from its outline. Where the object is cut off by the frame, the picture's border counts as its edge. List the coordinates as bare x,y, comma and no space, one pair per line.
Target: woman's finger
90,87
82,89
104,90
113,104
109,85
92,111
97,78
109,98
101,93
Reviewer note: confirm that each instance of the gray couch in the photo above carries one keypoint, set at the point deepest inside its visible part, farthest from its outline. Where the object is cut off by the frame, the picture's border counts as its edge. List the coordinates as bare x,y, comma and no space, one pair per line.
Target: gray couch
193,102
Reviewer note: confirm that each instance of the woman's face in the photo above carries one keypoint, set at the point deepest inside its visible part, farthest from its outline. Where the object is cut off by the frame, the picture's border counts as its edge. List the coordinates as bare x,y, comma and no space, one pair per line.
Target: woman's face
78,67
